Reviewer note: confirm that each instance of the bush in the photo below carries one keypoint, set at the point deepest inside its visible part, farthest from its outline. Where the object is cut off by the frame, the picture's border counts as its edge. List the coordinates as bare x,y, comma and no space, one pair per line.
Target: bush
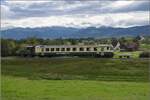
109,55
24,53
145,54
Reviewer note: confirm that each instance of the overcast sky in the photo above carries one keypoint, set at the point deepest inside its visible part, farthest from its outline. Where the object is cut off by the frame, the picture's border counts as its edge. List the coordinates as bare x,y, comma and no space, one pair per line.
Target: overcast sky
74,13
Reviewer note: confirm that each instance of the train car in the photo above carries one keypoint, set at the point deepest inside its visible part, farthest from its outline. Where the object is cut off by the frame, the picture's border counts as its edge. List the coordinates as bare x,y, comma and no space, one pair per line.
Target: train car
102,50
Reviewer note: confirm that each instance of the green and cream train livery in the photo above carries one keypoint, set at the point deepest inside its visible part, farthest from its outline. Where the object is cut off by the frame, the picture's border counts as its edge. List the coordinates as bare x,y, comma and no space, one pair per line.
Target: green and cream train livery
101,50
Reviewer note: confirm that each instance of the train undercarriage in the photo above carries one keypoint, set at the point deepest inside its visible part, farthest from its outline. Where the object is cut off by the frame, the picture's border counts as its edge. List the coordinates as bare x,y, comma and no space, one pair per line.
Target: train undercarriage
79,54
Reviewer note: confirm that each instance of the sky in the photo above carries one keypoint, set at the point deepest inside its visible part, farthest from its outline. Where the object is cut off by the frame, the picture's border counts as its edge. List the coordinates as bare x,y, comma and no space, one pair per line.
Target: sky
74,13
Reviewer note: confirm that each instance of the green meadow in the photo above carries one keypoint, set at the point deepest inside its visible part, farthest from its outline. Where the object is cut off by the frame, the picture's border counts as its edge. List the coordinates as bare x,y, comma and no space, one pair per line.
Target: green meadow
133,54
75,79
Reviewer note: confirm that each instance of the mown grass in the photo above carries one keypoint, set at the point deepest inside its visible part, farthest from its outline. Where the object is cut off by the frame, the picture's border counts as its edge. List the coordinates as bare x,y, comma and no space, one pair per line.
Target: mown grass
77,68
14,88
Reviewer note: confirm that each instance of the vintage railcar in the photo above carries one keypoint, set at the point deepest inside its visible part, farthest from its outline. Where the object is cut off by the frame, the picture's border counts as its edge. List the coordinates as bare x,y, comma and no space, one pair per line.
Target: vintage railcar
103,50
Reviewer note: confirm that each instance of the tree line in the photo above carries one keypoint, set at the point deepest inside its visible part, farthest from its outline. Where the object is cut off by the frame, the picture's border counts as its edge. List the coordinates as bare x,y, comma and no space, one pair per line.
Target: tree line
11,47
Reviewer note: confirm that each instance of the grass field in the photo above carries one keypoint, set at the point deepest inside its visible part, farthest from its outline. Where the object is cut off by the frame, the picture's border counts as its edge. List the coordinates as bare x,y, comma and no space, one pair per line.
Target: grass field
134,54
23,89
75,79
145,47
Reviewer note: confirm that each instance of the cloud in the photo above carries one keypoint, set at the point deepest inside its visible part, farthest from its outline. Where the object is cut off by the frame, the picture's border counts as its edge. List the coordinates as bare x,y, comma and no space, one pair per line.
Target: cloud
128,6
76,13
24,9
120,20
6,12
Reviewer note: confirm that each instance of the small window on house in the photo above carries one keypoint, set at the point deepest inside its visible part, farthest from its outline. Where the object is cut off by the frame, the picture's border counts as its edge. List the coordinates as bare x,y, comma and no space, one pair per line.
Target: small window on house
62,49
74,49
107,48
52,49
81,49
57,49
68,49
47,49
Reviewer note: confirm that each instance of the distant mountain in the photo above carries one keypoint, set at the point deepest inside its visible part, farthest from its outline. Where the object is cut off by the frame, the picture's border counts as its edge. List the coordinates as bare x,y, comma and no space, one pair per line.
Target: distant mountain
68,32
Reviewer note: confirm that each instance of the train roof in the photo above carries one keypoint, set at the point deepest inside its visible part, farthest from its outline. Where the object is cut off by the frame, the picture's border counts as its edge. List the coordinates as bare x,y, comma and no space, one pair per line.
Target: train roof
73,45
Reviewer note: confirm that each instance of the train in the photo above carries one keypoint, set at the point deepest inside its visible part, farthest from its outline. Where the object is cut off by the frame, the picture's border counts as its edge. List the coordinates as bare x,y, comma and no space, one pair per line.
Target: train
101,50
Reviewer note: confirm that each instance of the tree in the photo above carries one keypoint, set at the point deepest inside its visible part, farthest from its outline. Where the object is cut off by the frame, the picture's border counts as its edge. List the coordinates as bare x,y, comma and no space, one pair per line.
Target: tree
32,41
7,47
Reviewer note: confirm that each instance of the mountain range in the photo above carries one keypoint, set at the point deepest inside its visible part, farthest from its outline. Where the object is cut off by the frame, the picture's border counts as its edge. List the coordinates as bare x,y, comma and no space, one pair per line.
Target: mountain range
69,32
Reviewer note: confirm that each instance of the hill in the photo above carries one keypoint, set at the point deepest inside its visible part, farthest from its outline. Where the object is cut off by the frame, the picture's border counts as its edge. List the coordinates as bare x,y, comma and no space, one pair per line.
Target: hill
69,32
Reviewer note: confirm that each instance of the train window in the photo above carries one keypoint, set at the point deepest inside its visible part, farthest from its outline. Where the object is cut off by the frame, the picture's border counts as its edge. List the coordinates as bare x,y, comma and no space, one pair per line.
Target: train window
74,49
95,49
87,49
81,49
68,49
57,49
107,48
62,49
52,49
47,49
42,49
102,49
